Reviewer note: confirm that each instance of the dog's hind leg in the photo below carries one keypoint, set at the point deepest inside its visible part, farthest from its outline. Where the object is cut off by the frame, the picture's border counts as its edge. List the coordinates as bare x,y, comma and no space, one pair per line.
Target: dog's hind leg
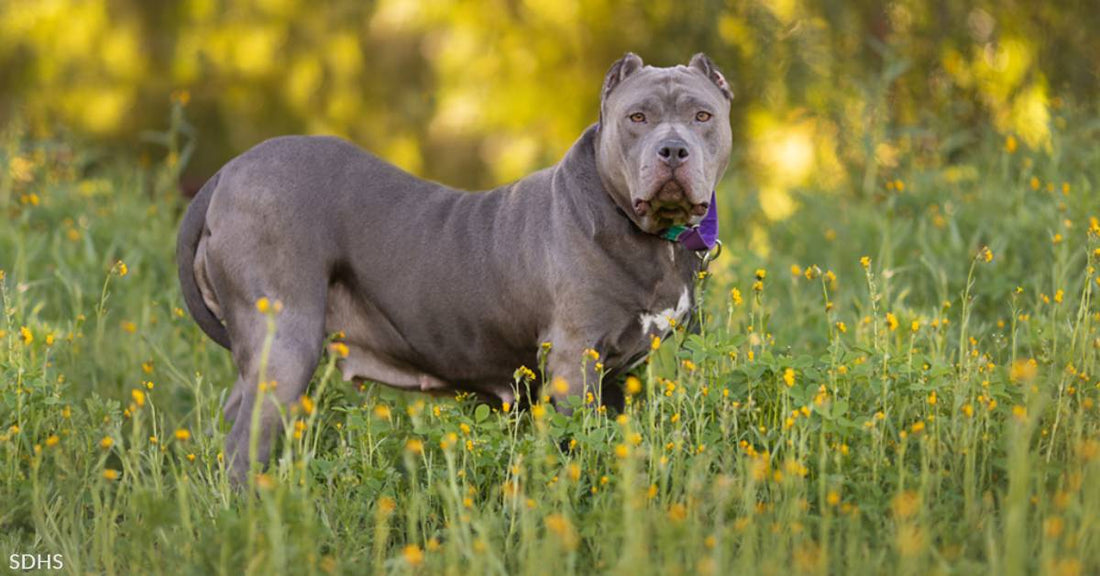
282,351
261,246
286,371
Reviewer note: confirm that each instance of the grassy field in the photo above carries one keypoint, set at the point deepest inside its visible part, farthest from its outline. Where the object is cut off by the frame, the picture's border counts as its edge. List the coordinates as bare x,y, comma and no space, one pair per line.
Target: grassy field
901,378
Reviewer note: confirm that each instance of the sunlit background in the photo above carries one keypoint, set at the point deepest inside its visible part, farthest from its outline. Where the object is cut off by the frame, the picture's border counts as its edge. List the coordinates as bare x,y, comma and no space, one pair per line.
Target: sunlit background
832,95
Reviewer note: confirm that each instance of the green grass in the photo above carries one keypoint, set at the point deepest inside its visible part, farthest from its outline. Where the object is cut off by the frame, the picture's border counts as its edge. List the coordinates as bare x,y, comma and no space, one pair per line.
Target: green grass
950,426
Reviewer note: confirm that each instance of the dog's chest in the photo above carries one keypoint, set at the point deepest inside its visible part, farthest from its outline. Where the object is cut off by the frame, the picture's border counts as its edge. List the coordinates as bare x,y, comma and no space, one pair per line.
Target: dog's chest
629,344
658,321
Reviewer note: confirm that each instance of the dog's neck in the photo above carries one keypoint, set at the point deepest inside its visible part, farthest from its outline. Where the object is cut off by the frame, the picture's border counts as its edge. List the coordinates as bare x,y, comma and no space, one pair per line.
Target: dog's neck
593,206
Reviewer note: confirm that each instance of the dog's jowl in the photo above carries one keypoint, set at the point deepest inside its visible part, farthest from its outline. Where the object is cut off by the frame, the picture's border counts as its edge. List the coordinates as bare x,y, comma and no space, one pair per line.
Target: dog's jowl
437,289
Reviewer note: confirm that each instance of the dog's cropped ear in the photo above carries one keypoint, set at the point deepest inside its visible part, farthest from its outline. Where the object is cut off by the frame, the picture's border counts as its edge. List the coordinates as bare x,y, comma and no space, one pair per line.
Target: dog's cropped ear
703,64
623,67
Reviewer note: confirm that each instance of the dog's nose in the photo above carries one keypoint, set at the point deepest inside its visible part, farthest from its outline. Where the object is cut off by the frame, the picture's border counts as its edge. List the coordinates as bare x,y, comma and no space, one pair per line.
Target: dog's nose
672,152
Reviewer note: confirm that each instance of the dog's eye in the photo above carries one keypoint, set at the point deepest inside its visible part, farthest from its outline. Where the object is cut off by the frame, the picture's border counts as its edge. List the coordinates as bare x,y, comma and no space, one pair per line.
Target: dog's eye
637,117
702,116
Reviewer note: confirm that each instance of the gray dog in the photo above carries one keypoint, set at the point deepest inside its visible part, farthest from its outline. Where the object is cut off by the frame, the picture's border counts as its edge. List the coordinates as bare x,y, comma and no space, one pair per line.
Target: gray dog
436,289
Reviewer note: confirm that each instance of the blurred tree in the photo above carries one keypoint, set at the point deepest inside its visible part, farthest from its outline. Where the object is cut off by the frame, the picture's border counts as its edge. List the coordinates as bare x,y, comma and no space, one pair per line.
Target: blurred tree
478,92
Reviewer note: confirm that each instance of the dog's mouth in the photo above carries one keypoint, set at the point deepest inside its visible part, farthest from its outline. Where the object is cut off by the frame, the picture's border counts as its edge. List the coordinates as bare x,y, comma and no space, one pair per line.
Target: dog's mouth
676,213
669,206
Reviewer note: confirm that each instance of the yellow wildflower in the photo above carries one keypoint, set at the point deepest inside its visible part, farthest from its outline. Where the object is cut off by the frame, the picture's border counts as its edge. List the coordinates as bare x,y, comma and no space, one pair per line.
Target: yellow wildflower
265,481
524,373
561,526
339,349
382,412
413,555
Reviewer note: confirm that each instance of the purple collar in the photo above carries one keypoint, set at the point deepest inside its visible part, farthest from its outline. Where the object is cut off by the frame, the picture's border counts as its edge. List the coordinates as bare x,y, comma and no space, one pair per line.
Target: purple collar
701,237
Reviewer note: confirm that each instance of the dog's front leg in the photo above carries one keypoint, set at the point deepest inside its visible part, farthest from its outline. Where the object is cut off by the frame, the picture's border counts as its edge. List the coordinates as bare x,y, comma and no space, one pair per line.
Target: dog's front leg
574,361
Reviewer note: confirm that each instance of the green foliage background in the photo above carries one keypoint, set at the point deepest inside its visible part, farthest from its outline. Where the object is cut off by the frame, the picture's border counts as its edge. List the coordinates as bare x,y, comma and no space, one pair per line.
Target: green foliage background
899,359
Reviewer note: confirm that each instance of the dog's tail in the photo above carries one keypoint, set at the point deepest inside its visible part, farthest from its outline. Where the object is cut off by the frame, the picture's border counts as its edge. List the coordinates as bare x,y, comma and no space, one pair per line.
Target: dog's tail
194,220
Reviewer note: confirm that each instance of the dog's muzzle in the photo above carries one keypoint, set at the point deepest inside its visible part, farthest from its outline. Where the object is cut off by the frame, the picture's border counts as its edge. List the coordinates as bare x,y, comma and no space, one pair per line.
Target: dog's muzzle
670,203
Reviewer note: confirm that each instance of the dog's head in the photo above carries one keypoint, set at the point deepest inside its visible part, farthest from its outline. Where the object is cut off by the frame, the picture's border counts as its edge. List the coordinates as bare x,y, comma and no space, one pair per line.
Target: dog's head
664,139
